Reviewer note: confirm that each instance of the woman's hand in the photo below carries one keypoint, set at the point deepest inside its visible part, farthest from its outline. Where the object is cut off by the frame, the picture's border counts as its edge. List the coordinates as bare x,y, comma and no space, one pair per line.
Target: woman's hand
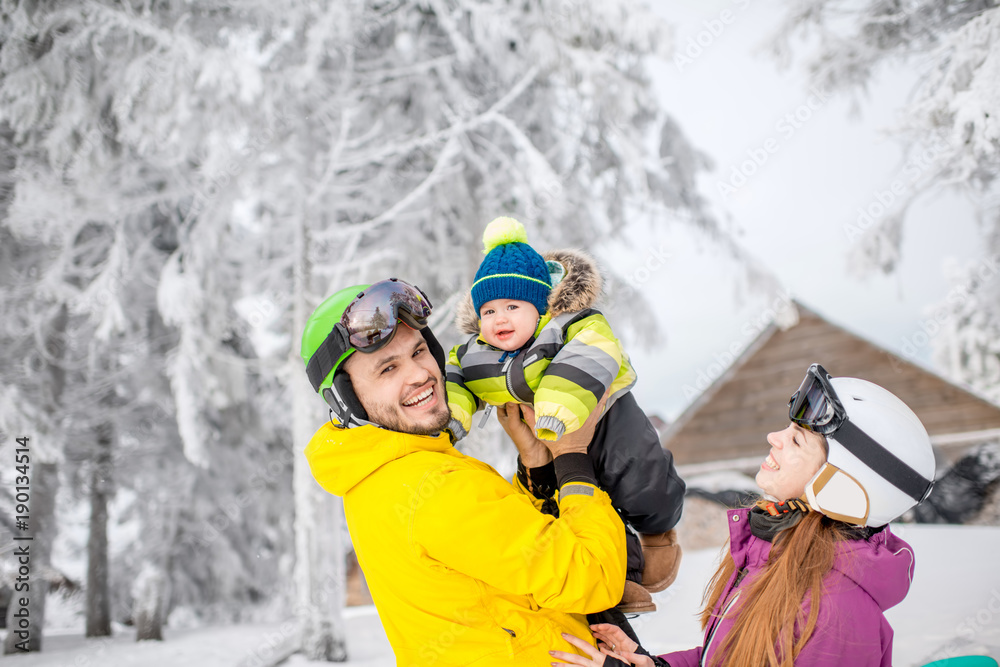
533,451
596,656
620,644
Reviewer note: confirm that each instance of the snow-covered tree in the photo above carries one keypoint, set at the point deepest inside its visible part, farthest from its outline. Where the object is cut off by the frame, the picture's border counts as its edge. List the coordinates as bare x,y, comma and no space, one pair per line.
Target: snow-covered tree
967,346
950,125
33,354
951,129
241,162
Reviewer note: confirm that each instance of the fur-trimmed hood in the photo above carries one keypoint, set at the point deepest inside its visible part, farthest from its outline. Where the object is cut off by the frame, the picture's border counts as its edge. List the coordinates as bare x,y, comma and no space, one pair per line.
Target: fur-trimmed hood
578,290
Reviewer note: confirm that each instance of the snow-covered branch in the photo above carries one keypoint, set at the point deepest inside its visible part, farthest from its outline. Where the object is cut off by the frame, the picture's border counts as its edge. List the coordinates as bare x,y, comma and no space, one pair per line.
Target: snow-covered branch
444,135
440,170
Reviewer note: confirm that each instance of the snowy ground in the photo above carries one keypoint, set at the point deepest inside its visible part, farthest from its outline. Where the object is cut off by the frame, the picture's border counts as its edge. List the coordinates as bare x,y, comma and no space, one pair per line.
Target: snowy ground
953,609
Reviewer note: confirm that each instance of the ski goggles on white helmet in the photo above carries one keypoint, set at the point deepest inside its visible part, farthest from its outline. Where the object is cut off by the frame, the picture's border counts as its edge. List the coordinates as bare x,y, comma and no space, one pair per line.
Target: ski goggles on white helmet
369,322
833,491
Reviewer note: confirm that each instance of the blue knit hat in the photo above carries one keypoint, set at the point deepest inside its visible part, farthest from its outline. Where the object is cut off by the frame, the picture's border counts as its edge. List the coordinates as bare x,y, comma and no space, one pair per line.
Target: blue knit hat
512,268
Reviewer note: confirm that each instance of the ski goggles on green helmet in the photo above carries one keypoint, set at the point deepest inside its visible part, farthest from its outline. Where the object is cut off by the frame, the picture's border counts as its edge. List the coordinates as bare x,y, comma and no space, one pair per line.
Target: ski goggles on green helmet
369,322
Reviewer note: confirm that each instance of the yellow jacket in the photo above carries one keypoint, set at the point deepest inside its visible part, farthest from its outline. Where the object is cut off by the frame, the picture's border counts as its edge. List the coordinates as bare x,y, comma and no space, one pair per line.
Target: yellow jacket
463,568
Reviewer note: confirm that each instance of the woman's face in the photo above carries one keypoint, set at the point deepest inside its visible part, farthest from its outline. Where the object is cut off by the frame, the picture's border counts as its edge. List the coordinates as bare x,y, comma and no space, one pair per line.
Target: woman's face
796,455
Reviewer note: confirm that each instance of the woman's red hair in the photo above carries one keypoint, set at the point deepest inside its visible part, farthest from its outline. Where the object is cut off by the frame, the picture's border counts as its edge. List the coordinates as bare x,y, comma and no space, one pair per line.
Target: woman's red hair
770,625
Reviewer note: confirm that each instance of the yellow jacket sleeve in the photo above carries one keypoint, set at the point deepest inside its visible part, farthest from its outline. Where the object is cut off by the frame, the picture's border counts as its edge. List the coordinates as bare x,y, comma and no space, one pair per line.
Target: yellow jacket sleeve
577,378
462,402
537,502
476,523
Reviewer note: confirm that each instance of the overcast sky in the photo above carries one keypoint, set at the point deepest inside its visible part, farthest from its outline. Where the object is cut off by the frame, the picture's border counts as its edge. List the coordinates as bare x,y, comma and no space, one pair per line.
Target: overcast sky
792,213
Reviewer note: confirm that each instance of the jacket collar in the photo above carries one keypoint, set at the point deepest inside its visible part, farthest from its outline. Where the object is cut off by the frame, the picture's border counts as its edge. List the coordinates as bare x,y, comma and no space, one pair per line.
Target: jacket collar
881,565
341,458
747,550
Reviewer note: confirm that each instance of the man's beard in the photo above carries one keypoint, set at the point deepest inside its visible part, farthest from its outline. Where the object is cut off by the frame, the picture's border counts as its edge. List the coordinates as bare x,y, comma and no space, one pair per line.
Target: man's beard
389,418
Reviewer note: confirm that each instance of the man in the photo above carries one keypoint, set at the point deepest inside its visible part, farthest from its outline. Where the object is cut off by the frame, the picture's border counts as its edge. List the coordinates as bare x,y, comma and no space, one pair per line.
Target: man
462,566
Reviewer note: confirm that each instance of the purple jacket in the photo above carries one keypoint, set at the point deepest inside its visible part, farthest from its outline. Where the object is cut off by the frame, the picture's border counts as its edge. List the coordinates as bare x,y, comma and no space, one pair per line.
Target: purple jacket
868,577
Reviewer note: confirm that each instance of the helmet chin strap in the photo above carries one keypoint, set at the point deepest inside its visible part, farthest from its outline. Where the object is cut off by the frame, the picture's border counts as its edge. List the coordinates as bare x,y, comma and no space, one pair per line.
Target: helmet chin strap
779,507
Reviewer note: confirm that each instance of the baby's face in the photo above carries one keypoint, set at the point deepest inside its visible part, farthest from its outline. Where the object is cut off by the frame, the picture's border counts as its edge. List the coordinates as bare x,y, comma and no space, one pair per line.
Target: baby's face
507,324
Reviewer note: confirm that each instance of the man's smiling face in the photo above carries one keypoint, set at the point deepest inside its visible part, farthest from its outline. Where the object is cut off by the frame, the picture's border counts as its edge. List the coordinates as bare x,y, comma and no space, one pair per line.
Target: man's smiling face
401,386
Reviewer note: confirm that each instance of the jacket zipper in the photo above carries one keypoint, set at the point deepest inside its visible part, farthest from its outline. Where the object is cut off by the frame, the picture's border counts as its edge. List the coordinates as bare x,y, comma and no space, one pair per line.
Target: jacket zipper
510,642
711,636
510,385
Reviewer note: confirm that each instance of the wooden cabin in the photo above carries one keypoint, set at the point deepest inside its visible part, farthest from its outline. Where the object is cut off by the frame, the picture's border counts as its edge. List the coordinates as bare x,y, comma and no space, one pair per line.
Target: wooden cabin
726,425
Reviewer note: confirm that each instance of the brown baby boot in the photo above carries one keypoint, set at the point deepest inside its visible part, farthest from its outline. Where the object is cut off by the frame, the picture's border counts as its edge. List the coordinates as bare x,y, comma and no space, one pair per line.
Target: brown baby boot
662,556
636,600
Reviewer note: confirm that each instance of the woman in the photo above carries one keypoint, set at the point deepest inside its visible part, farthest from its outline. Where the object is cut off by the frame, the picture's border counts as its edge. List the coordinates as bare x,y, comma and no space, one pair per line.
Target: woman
853,459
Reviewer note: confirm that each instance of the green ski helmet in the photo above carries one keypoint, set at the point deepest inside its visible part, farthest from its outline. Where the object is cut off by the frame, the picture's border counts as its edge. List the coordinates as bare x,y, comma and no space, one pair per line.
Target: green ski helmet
345,323
320,324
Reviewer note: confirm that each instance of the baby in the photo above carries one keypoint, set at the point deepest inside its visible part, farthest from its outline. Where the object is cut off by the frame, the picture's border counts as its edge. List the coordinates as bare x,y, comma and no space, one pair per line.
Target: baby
543,344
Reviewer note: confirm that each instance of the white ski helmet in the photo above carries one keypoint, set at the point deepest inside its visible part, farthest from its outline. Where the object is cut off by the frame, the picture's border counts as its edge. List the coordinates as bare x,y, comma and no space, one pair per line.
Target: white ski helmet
880,461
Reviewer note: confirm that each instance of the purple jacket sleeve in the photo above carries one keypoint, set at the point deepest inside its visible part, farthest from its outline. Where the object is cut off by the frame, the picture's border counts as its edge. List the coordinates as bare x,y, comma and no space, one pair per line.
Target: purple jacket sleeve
689,658
850,630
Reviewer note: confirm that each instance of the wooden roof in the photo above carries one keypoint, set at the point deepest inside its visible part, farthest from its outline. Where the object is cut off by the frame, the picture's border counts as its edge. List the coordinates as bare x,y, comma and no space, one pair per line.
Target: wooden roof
732,417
